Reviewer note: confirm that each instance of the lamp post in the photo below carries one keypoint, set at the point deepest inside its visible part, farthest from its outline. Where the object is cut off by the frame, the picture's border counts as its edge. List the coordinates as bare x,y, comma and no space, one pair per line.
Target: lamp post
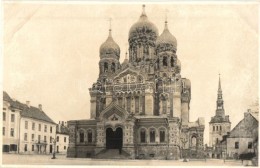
184,141
54,143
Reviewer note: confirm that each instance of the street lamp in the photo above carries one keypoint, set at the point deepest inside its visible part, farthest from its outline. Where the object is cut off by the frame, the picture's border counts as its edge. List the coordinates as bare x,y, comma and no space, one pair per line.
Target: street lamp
54,143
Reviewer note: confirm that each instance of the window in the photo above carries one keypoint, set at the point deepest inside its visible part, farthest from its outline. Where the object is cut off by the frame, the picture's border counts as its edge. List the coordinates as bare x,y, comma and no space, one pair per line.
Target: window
45,128
213,128
81,137
152,135
13,147
50,139
45,139
250,145
33,126
4,108
142,135
40,127
216,128
25,136
113,67
105,67
64,139
4,116
220,128
217,141
89,136
12,132
39,138
58,138
3,130
25,147
57,149
32,137
26,125
64,147
32,147
172,62
50,129
12,118
236,145
162,136
165,61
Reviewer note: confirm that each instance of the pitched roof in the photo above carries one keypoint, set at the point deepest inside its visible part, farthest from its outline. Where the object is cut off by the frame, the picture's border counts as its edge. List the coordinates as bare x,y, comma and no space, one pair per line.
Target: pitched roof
245,128
29,112
36,113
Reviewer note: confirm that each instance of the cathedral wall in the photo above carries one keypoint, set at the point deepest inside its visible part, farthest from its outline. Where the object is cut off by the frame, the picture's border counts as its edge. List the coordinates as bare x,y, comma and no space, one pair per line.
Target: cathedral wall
177,105
185,112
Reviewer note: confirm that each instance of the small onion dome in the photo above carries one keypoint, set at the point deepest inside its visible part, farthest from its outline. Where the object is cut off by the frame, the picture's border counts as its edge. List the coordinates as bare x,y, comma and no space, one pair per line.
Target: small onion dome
109,47
126,61
166,38
143,25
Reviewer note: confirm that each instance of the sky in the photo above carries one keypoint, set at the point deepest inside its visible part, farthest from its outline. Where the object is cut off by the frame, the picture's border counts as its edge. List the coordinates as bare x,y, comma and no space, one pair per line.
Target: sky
51,52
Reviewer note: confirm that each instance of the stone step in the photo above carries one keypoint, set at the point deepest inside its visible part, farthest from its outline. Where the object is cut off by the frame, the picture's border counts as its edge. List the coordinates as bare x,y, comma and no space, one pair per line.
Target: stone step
112,154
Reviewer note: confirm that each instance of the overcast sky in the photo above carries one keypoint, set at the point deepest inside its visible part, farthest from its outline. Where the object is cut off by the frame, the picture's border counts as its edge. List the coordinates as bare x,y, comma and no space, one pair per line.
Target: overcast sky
51,53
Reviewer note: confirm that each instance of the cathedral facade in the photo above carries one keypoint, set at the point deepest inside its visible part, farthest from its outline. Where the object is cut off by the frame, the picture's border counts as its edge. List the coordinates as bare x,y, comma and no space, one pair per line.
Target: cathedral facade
139,107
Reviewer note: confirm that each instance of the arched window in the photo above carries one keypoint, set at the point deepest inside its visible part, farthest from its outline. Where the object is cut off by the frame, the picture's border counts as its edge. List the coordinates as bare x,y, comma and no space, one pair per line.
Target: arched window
89,136
113,67
152,135
162,136
220,128
172,62
165,61
216,128
193,141
105,67
81,136
142,135
213,128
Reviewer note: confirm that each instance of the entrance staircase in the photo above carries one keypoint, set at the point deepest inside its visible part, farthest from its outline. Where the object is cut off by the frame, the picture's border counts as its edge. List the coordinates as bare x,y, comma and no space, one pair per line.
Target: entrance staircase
112,154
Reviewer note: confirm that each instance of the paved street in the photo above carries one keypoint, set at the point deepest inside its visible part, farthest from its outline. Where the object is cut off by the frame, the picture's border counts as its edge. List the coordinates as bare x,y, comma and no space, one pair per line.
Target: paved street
62,160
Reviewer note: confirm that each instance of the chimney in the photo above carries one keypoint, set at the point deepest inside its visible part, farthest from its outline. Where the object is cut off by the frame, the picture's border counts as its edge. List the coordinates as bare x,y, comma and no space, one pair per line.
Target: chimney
40,106
248,110
28,103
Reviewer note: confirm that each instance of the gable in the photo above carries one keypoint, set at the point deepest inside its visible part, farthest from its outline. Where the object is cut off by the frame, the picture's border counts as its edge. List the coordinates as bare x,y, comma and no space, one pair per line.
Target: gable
245,128
114,113
129,76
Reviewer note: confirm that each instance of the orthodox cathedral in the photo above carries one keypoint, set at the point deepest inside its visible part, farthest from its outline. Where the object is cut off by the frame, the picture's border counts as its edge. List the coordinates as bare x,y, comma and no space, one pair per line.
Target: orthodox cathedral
139,108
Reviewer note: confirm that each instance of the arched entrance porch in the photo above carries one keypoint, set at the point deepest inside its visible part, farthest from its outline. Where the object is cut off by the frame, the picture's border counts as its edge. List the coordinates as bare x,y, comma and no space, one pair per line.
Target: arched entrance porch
114,139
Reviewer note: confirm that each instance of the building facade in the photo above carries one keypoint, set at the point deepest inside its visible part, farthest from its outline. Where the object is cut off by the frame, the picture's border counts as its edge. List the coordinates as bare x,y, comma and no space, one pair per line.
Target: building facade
62,138
243,138
33,129
141,106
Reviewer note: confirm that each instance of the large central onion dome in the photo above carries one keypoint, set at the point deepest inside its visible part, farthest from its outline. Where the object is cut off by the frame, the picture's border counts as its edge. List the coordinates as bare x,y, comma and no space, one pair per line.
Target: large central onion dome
143,26
166,41
109,48
142,37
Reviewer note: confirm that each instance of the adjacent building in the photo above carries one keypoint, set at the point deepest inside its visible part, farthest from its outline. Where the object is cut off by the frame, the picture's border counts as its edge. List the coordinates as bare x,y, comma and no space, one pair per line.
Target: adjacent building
243,138
141,106
26,129
62,138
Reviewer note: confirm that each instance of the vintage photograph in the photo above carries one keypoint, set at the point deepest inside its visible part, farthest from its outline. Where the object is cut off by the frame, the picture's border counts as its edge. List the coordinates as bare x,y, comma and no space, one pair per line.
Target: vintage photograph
130,84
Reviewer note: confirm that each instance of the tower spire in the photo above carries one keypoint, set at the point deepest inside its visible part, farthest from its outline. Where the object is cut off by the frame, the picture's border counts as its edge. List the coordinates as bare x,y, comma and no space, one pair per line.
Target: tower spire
220,102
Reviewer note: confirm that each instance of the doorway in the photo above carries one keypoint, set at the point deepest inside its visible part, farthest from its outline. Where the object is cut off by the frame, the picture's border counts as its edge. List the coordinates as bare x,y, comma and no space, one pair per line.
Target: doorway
50,148
114,139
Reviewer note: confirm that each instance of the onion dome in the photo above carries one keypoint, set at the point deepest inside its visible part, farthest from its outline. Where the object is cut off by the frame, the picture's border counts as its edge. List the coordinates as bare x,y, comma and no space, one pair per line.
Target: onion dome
109,47
166,39
143,26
